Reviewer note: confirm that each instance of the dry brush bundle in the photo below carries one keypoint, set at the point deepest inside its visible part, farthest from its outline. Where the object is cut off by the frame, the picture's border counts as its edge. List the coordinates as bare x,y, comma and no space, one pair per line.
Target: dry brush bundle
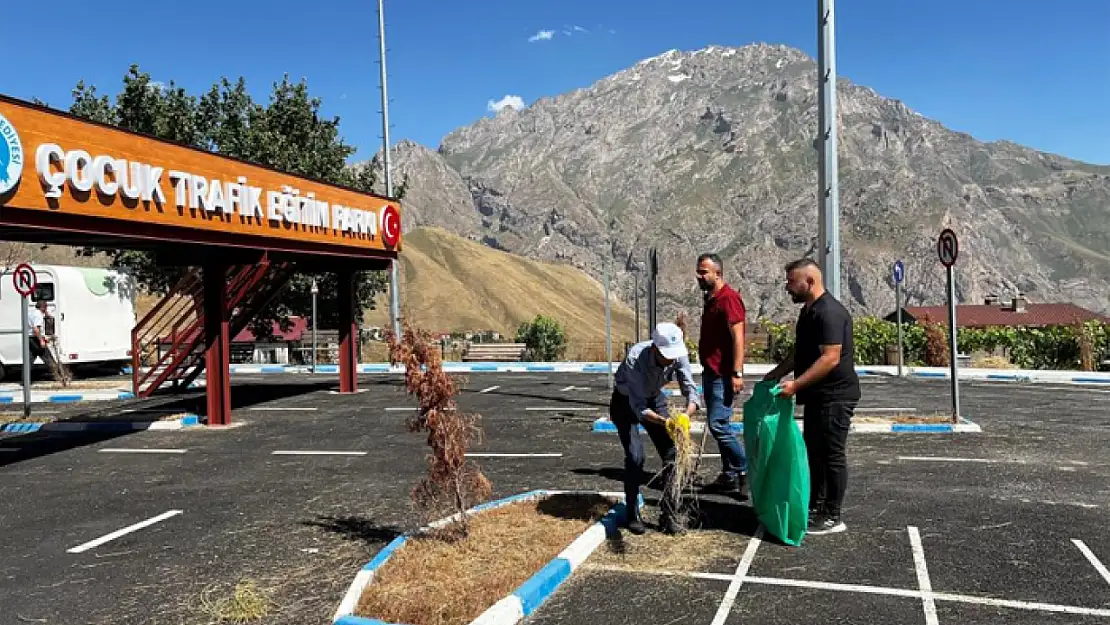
58,369
683,474
452,482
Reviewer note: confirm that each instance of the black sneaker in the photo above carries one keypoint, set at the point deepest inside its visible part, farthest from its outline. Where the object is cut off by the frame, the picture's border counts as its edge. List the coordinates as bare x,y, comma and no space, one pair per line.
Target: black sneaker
670,526
723,484
742,486
825,524
636,526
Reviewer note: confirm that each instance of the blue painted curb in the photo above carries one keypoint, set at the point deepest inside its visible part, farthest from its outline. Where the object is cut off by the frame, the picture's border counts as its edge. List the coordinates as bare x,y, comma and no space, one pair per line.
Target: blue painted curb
358,620
77,427
66,398
540,586
1090,380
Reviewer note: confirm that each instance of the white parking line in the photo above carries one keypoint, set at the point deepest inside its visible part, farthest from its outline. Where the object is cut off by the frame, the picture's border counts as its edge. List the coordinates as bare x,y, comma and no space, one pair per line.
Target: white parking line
283,408
492,388
316,453
923,581
513,455
882,590
401,409
947,459
144,450
127,530
562,409
575,388
1093,559
738,578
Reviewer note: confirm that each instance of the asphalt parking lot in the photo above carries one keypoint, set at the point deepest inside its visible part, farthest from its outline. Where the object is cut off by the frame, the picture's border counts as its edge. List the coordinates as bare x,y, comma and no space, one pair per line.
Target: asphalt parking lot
153,527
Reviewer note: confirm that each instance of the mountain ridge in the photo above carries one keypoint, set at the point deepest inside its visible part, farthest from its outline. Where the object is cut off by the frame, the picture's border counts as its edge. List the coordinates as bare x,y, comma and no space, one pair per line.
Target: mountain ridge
713,150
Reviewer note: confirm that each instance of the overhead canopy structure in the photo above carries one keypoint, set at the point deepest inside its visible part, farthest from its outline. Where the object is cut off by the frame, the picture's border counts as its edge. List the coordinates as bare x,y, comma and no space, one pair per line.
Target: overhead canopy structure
69,181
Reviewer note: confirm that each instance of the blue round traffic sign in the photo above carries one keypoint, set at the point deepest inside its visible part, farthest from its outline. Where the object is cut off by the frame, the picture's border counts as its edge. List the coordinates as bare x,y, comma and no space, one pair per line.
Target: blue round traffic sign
899,272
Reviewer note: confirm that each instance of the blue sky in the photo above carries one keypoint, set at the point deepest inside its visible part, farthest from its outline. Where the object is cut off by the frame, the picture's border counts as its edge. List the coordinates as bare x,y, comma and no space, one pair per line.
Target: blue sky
1034,72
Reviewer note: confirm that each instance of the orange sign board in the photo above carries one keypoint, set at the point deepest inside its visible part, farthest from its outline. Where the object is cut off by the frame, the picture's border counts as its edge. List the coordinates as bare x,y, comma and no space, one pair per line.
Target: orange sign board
64,166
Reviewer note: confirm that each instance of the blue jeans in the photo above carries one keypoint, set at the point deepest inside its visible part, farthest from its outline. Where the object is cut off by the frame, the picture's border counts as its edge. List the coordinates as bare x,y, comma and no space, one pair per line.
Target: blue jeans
718,399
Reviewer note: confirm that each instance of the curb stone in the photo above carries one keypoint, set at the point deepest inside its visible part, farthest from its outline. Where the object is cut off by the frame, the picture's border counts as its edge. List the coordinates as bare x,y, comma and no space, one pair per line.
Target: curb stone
527,597
38,397
188,420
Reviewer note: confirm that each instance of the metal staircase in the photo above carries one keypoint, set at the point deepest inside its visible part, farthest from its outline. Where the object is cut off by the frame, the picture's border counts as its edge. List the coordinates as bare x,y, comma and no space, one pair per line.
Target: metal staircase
168,343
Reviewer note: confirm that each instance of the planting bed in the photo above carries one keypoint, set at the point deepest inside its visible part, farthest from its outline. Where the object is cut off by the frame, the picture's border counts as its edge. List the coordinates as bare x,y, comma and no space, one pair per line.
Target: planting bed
432,581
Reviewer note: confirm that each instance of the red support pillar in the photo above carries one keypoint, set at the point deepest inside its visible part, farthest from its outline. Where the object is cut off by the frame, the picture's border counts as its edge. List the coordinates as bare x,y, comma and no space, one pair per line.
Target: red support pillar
348,332
217,354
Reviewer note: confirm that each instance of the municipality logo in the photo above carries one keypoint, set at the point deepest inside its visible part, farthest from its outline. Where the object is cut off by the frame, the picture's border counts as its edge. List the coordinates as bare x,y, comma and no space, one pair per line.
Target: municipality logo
11,156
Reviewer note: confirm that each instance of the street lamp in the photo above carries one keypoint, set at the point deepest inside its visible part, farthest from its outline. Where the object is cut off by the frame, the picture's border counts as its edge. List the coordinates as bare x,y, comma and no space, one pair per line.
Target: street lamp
315,291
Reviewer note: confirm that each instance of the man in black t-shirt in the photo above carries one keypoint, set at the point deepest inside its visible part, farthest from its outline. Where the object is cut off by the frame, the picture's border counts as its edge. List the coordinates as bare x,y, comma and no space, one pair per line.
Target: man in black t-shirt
825,382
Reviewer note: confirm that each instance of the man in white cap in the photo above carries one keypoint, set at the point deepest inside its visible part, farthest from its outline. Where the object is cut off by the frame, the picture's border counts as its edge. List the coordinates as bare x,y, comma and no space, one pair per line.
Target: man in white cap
638,399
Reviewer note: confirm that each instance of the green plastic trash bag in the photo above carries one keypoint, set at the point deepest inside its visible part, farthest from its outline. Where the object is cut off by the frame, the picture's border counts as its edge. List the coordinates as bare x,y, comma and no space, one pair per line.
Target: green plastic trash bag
778,469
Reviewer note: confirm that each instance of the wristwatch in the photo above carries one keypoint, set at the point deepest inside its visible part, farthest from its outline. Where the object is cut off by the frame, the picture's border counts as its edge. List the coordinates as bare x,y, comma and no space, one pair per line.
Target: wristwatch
737,374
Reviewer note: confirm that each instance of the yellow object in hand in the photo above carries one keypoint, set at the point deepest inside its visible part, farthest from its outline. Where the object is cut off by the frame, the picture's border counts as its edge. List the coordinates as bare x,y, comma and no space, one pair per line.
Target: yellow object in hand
678,423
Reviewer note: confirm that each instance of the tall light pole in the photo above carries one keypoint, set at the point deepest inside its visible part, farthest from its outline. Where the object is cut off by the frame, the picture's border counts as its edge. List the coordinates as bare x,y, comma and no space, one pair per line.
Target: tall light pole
315,292
394,268
608,308
828,193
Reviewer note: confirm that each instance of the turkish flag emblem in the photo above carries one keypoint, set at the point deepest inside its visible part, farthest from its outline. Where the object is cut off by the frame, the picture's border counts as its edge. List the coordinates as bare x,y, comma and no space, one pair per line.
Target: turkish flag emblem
391,225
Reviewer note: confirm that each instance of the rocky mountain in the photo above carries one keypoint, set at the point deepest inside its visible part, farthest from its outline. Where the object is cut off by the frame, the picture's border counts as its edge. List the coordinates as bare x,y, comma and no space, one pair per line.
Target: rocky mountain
714,150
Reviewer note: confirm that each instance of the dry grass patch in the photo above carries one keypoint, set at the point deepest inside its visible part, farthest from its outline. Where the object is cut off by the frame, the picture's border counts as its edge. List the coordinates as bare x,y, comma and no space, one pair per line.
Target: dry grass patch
435,582
82,384
17,417
991,362
905,419
693,551
246,604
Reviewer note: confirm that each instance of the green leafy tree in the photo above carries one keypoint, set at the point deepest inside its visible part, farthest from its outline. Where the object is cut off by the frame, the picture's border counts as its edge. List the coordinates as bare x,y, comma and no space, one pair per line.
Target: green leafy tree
287,133
544,337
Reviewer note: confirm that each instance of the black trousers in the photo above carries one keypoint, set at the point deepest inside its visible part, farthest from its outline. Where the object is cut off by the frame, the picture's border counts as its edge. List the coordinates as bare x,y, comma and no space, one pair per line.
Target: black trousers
826,436
38,351
622,416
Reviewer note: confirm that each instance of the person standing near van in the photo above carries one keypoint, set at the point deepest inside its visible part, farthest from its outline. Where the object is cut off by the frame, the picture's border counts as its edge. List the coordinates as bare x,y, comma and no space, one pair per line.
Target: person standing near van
721,351
825,382
36,336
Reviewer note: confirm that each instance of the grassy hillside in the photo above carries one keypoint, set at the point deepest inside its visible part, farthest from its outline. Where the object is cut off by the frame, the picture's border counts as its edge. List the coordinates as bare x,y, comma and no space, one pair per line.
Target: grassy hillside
449,283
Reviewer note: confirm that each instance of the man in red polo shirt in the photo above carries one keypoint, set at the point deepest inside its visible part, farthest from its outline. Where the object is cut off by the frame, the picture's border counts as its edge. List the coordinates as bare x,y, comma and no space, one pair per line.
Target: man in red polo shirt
721,351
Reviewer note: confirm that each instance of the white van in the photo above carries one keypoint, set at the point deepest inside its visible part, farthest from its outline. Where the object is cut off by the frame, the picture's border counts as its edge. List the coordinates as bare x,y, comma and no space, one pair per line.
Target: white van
90,313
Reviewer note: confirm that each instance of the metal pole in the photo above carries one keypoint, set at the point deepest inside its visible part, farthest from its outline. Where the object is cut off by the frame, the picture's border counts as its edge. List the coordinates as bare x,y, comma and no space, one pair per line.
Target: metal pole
24,300
608,308
828,198
315,290
898,300
394,269
952,346
636,278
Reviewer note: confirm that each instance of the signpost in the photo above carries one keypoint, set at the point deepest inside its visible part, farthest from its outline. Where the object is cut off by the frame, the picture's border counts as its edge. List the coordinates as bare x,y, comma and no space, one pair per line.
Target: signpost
899,277
948,249
25,282
315,292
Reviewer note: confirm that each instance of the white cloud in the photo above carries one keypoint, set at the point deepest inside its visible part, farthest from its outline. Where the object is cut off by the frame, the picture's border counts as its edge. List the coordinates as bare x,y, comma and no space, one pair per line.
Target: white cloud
542,35
512,101
612,32
580,29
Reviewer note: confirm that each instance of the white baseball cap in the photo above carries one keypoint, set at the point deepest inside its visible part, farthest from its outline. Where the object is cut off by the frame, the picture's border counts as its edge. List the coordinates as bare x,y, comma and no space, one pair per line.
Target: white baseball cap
668,339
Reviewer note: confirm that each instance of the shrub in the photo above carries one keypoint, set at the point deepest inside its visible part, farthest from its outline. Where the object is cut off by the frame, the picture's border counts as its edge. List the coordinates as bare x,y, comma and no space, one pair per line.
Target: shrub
452,482
544,337
936,343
